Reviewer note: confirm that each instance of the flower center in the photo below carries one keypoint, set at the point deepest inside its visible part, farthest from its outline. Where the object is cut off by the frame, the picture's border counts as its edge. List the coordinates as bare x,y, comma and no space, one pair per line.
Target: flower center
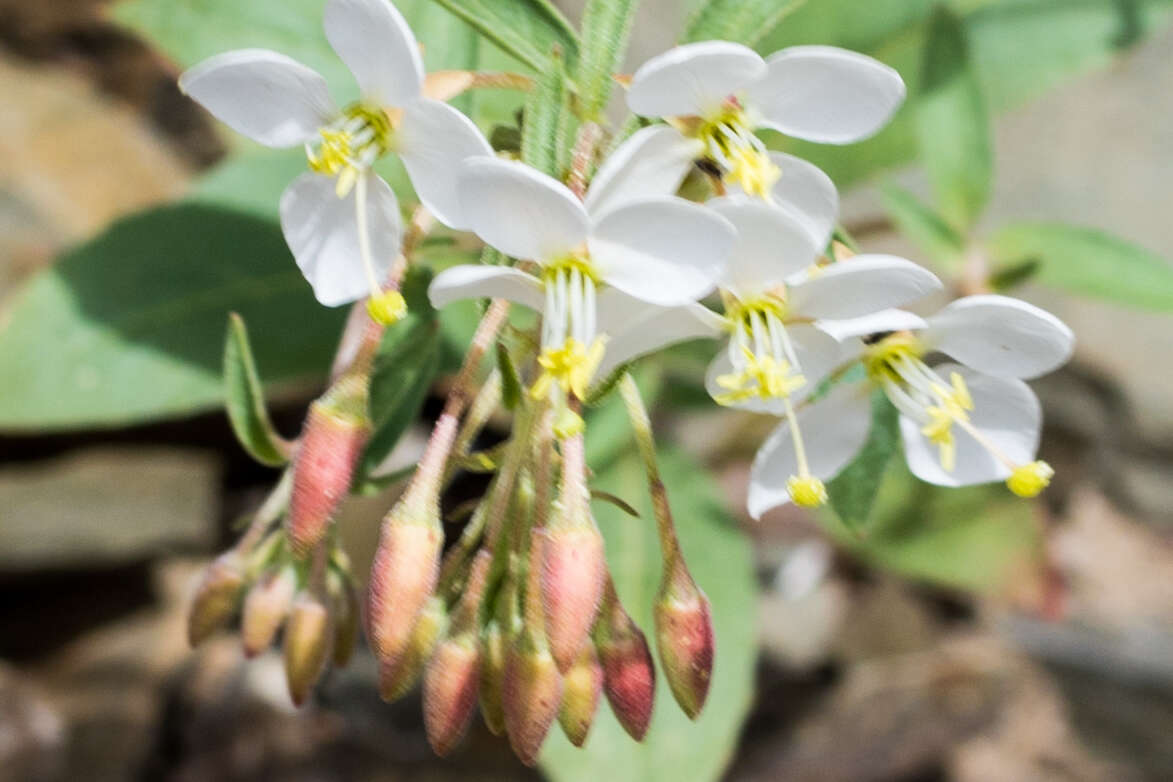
920,393
744,160
350,144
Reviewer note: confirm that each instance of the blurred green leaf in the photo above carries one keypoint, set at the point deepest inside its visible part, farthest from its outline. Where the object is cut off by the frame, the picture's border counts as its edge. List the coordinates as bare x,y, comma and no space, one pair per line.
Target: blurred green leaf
545,128
743,21
511,390
606,26
1089,262
250,181
920,224
1011,275
853,491
526,29
719,556
128,327
246,400
953,124
978,538
608,432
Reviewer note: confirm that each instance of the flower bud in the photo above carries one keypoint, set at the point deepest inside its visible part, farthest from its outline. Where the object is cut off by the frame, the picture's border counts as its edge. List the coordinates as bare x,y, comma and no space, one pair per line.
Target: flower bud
346,620
403,577
308,636
580,696
629,677
397,677
336,431
573,570
216,598
450,691
684,636
494,647
532,694
265,608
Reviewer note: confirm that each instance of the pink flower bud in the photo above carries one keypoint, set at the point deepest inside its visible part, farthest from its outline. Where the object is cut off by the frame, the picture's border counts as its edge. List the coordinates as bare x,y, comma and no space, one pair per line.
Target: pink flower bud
494,648
335,433
629,677
216,598
684,636
265,608
403,577
580,696
450,692
532,694
308,636
573,570
397,677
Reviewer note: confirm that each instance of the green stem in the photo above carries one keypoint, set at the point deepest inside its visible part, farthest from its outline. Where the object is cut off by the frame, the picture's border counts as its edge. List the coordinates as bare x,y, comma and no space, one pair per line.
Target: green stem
641,426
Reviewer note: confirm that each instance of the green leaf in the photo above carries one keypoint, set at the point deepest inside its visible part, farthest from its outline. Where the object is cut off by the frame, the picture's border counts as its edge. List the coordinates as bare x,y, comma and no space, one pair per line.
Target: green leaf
526,29
953,124
719,556
511,390
1089,262
743,21
1009,276
606,27
853,491
128,327
545,129
246,399
922,225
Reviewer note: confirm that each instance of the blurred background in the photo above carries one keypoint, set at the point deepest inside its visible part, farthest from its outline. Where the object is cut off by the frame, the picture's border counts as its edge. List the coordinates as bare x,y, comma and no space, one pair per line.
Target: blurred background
947,636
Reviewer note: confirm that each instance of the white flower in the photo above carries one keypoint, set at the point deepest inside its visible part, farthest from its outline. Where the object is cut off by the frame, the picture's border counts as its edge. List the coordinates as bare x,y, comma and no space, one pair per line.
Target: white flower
599,263
341,221
717,93
961,423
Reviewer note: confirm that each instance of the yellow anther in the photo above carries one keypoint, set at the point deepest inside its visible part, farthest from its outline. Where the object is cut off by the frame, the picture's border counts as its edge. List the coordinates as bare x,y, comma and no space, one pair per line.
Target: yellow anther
571,366
763,376
342,150
387,308
753,171
881,359
1029,480
960,396
807,492
568,424
939,430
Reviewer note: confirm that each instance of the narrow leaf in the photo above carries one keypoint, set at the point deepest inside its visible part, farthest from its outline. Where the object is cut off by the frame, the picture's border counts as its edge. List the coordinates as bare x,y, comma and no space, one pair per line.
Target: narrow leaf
545,125
618,502
853,491
742,21
1011,275
525,29
1089,262
953,125
606,27
923,226
246,399
511,390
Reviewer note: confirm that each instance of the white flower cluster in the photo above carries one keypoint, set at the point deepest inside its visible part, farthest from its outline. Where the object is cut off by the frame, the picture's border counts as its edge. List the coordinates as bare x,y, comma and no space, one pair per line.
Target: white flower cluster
620,271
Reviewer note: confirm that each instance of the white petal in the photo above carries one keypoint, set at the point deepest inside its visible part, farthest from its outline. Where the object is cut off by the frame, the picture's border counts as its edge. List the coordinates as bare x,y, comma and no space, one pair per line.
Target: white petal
322,231
876,323
1000,336
817,355
272,99
378,47
434,141
772,244
833,429
646,328
825,94
653,162
693,79
519,210
1005,410
810,193
470,281
666,251
861,286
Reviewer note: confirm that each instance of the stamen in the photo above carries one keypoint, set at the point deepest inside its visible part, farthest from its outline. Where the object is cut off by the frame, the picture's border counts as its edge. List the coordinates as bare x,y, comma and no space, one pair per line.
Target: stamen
743,158
350,145
385,307
1029,480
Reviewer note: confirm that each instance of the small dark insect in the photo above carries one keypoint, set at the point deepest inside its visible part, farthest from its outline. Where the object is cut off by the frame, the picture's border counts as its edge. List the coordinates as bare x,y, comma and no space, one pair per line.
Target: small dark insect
709,166
872,339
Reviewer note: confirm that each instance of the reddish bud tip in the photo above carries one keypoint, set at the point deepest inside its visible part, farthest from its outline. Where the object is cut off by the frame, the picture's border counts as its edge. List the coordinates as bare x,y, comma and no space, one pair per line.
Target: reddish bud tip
265,608
532,694
629,677
493,652
216,598
684,636
397,677
308,636
450,692
580,696
403,576
331,445
573,570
